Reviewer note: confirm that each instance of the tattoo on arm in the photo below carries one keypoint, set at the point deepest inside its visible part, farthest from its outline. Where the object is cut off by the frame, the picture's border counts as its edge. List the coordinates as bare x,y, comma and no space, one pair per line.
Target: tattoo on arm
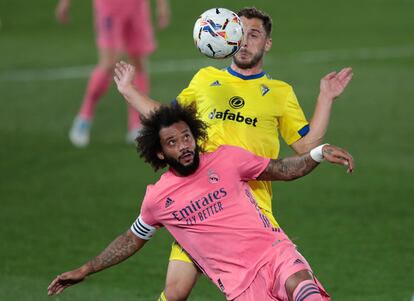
120,249
288,169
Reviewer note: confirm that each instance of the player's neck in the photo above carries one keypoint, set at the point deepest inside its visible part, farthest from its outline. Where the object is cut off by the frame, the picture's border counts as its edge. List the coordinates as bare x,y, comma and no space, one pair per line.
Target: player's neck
250,71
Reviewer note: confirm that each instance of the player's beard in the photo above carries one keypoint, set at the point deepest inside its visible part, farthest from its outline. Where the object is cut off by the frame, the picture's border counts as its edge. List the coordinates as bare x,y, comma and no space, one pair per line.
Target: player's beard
184,170
248,64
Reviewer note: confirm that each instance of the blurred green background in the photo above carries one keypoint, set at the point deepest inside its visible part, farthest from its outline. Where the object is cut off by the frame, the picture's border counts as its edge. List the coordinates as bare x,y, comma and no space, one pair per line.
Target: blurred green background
60,206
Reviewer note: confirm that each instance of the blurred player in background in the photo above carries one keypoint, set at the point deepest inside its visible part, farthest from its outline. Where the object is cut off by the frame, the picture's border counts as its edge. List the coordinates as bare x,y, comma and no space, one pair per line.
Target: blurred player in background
122,26
244,107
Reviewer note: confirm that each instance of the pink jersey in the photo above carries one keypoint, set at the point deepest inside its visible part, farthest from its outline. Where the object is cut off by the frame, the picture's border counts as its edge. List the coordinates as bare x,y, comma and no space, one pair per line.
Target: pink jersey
214,217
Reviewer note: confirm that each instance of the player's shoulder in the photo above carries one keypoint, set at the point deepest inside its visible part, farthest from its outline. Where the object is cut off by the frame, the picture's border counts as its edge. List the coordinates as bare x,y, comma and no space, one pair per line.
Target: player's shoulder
206,75
155,188
151,191
276,82
157,192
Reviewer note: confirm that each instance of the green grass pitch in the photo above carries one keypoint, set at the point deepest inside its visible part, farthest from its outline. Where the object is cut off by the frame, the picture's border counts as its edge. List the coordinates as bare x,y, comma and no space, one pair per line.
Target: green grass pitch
60,205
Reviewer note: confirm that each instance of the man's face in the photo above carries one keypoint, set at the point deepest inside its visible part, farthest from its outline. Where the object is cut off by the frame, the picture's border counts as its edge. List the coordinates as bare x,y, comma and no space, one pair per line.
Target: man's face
254,44
179,148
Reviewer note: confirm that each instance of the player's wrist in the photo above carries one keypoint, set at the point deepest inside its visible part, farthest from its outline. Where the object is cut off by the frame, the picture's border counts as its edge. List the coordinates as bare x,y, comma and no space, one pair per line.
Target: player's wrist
317,153
86,269
128,90
325,97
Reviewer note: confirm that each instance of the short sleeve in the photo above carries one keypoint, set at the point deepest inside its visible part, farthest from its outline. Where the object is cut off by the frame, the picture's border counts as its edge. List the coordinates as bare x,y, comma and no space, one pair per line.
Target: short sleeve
188,95
249,165
293,124
145,225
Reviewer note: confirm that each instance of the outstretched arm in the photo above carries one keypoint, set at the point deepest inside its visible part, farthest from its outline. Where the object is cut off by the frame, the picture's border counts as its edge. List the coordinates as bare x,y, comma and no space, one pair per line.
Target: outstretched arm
332,85
295,167
120,249
124,75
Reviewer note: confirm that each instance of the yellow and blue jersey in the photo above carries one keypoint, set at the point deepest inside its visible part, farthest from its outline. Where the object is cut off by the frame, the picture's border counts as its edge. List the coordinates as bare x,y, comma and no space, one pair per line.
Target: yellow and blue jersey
249,112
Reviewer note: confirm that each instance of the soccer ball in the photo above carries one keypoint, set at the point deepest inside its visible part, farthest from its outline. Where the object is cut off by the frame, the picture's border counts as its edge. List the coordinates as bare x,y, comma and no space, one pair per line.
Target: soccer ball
218,33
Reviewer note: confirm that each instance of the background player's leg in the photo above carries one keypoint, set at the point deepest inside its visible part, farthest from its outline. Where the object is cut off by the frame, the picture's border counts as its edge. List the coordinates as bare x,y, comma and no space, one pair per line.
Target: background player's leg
140,43
181,278
141,81
98,84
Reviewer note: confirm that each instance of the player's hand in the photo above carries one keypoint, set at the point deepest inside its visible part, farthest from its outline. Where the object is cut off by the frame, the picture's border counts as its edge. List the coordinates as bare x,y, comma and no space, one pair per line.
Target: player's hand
333,84
65,280
334,154
62,11
124,75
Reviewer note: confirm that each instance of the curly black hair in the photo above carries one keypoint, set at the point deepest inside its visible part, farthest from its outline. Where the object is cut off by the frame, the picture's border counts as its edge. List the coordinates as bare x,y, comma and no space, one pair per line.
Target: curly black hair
148,142
253,12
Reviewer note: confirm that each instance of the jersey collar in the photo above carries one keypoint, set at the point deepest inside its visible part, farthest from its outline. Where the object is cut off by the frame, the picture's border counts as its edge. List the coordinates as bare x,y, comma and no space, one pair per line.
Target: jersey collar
245,77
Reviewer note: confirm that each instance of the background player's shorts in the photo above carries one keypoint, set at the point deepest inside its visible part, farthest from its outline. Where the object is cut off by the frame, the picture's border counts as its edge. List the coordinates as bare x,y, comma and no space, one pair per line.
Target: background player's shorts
124,26
269,283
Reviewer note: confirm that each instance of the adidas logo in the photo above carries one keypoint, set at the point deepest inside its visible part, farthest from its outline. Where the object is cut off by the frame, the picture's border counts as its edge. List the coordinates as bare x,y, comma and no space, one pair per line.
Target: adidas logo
215,83
168,202
265,89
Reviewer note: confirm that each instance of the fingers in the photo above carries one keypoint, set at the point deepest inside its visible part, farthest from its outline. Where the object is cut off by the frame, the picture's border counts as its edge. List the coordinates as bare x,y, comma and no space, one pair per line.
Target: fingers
53,283
55,286
61,282
119,70
345,75
57,289
122,69
347,79
330,75
350,165
346,159
345,72
61,288
337,155
118,73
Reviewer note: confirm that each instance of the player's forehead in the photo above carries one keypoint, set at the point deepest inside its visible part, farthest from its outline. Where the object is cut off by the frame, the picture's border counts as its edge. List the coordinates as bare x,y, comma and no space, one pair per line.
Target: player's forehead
174,130
252,24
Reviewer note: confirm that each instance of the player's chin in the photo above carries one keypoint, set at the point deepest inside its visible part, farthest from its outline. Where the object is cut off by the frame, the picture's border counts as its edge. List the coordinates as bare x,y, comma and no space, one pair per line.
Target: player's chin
243,62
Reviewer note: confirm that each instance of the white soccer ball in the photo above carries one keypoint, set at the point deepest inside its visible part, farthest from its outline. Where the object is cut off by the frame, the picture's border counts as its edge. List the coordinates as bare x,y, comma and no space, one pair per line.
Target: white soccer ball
218,33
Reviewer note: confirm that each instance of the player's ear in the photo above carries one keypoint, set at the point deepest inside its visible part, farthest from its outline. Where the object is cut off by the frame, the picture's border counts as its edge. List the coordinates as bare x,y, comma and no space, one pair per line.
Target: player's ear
160,155
268,44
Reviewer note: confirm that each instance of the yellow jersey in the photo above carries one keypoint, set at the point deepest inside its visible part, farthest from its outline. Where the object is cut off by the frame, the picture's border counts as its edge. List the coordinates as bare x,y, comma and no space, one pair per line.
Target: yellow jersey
249,112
